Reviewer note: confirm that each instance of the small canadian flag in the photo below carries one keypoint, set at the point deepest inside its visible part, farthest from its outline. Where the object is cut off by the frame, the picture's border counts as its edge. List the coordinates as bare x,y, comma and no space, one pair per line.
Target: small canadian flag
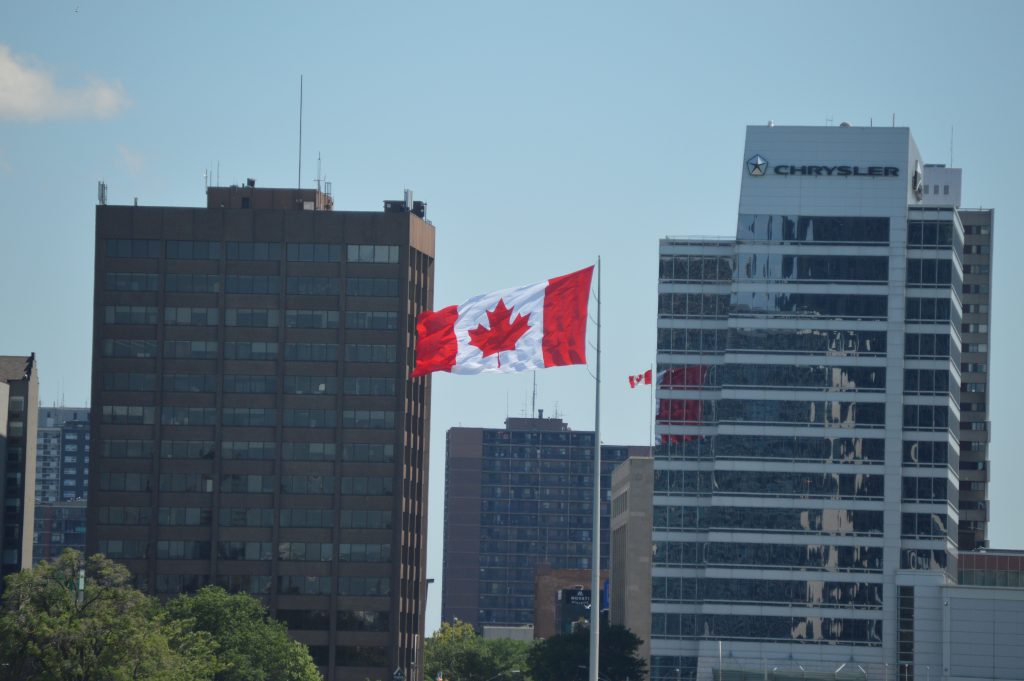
647,378
640,379
518,329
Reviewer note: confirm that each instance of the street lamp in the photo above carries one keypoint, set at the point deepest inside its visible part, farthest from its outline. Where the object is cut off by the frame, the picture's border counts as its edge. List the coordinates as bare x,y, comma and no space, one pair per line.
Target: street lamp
507,671
600,676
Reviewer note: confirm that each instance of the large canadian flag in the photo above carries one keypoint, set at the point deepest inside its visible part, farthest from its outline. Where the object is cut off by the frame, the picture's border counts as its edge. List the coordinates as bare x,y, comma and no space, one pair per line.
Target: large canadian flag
518,329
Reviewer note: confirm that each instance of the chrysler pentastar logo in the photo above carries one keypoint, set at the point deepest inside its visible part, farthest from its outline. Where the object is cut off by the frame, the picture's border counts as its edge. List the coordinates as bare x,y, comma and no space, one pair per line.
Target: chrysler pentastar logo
757,165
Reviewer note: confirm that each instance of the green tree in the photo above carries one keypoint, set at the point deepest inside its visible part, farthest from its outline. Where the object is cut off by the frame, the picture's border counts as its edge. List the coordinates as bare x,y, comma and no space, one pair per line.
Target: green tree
251,646
566,657
49,631
456,653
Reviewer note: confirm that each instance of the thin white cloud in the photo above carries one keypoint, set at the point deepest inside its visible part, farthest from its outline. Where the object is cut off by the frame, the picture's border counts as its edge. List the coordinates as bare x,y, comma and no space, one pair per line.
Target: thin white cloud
131,158
28,93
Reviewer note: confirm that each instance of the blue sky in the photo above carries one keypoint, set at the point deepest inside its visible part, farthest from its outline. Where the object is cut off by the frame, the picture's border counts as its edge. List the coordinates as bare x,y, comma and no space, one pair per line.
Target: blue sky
541,134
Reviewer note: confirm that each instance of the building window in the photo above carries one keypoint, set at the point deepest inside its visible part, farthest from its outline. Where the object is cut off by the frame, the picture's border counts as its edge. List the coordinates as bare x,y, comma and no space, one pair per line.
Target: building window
376,288
193,250
314,252
373,253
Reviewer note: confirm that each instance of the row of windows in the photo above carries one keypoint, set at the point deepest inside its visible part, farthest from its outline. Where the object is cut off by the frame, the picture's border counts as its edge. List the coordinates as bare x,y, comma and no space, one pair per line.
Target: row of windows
932,309
247,484
931,345
819,305
230,416
767,628
290,451
775,483
831,521
928,525
376,287
192,283
934,233
794,592
813,229
696,268
811,557
756,447
693,304
827,413
928,417
930,381
691,341
927,272
829,268
938,454
246,517
347,620
929,489
808,341
249,350
825,377
251,251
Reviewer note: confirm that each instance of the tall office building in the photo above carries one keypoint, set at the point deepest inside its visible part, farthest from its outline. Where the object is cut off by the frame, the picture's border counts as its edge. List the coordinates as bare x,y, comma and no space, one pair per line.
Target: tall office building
809,478
58,526
517,499
942,187
19,398
62,454
254,420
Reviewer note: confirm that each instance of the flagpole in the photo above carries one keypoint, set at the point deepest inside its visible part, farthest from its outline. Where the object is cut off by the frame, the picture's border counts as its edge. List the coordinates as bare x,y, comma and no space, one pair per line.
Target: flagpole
654,387
595,535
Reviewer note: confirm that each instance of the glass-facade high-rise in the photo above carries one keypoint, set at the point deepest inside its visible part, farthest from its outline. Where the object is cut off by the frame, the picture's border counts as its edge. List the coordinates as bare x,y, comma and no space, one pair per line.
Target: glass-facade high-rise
809,418
517,499
62,454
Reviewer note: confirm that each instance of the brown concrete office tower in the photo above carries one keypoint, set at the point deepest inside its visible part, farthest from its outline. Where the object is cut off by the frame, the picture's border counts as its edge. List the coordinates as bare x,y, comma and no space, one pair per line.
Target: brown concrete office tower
942,187
631,526
254,420
974,383
19,403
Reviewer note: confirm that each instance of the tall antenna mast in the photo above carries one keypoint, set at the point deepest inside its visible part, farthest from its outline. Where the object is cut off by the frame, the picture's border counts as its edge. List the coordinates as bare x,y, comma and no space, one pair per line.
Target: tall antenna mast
534,405
318,206
951,146
299,185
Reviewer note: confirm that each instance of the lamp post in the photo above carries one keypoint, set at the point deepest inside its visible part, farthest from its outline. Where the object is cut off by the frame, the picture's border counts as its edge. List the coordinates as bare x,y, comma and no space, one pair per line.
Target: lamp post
507,671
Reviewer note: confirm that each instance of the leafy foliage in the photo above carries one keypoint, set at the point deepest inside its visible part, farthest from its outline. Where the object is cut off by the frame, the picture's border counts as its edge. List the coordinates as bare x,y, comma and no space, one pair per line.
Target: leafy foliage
566,657
456,653
49,631
114,633
253,647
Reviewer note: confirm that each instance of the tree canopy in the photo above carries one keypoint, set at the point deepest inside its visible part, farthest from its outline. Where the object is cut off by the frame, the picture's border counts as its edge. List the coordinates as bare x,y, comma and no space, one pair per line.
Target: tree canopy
566,657
251,646
456,653
50,630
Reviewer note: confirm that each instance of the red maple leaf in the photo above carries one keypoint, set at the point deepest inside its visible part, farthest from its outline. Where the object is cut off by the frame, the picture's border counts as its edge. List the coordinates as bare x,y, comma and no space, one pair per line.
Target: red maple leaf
503,333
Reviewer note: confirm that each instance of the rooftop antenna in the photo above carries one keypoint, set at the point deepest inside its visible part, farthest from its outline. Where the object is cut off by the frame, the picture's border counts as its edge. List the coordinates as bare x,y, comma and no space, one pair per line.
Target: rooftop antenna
951,146
318,181
218,173
533,406
828,121
894,119
101,193
299,186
